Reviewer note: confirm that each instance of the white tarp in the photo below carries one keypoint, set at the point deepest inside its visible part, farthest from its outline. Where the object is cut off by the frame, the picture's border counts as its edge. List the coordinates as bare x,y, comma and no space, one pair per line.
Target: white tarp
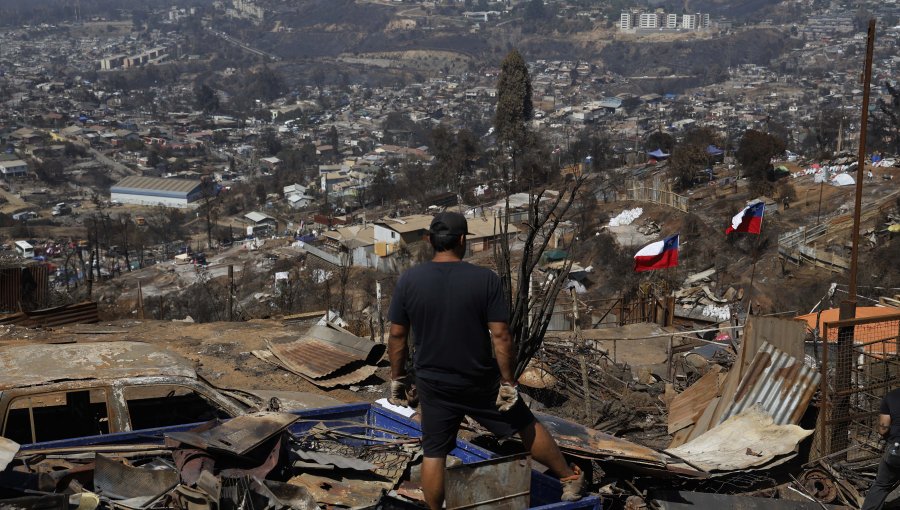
626,217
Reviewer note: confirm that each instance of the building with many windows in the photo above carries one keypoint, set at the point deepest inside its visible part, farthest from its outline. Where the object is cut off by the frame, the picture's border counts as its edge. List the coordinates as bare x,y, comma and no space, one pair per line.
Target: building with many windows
639,21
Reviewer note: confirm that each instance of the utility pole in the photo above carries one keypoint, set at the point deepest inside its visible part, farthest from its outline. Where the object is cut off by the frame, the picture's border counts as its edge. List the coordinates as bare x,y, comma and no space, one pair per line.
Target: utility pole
840,408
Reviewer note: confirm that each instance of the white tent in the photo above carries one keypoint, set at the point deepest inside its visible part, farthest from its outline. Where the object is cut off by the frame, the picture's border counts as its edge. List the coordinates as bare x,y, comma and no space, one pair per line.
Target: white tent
843,180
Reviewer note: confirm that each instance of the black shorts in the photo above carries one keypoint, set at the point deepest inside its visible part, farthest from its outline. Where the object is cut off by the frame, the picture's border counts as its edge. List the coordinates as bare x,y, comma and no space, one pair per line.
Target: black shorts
444,405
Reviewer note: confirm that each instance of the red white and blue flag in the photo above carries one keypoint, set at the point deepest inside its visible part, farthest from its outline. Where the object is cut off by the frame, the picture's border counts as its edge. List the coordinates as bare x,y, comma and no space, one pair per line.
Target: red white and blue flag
658,255
749,220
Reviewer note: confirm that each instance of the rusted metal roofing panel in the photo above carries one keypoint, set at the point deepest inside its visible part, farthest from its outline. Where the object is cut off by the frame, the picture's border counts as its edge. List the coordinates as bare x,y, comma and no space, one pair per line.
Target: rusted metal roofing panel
327,356
313,357
581,441
239,435
338,379
80,313
781,384
24,286
34,364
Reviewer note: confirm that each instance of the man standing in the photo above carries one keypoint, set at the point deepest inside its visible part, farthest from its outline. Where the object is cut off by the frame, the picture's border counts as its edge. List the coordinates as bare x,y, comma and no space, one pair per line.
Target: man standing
889,469
464,359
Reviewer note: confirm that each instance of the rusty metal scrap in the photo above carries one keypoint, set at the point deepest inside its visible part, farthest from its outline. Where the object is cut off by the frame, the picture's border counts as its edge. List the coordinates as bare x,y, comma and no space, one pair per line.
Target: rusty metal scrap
584,442
684,500
819,485
339,491
80,313
117,480
501,484
240,435
29,284
781,384
328,357
339,461
784,336
390,460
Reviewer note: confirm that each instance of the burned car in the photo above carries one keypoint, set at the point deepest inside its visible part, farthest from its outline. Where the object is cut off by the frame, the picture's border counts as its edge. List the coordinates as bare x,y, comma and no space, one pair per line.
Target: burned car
50,392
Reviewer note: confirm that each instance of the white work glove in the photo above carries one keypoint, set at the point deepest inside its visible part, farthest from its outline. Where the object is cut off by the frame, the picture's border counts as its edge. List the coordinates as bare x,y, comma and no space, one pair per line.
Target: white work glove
507,397
403,393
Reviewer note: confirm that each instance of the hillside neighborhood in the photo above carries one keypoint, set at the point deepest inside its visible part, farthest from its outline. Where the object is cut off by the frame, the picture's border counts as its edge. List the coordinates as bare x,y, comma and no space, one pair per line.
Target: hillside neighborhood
222,195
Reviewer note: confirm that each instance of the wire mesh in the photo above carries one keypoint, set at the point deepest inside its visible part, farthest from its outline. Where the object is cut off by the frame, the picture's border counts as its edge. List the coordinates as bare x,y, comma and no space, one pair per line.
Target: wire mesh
860,365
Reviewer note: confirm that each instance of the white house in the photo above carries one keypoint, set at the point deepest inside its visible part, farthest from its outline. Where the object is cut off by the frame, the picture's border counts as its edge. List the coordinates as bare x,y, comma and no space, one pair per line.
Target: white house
391,233
299,201
13,168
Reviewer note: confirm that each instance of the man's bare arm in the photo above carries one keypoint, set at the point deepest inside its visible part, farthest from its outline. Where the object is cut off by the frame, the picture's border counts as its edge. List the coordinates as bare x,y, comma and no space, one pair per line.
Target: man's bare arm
884,424
504,350
398,350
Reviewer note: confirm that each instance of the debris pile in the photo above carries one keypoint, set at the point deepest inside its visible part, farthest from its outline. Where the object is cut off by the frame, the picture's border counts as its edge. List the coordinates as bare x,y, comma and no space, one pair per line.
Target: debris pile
249,461
699,299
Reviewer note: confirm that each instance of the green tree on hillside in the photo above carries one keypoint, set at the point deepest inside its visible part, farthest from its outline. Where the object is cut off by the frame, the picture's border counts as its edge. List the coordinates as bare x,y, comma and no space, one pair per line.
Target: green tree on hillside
755,154
514,106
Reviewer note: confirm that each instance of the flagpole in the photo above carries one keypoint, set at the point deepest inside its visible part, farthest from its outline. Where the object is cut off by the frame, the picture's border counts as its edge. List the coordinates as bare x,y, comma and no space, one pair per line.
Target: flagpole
753,275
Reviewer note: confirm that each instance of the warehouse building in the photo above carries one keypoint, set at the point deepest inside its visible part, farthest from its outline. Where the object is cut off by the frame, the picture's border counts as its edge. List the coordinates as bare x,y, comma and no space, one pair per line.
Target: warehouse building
157,191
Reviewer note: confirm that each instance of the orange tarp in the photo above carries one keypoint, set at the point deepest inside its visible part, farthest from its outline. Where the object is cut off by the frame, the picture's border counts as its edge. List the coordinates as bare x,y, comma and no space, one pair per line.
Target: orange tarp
863,333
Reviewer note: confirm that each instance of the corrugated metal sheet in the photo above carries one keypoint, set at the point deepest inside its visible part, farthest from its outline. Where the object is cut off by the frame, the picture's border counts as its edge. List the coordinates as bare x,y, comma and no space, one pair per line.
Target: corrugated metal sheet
137,183
781,384
79,313
24,286
328,356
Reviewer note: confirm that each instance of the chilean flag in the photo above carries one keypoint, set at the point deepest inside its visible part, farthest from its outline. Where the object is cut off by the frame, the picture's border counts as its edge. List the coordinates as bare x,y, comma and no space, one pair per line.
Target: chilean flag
749,220
658,255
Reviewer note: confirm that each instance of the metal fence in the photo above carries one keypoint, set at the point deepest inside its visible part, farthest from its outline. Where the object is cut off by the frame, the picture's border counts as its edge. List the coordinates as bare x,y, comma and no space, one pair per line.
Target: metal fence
24,288
859,366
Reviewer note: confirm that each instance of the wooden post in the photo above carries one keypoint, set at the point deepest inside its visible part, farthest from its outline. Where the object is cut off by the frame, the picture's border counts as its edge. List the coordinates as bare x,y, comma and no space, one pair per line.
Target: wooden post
229,310
670,311
140,309
670,371
582,346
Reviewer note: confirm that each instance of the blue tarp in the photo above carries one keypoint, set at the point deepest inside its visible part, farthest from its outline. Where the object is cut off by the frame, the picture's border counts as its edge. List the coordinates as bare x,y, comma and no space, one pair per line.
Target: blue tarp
658,154
712,150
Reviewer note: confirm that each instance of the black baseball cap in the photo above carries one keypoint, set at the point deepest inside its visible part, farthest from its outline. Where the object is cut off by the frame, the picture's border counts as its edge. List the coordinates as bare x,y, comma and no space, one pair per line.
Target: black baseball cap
449,224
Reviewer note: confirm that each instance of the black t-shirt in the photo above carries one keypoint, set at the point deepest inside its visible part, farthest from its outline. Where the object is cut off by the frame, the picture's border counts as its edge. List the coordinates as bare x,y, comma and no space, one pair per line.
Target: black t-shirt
448,306
890,404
